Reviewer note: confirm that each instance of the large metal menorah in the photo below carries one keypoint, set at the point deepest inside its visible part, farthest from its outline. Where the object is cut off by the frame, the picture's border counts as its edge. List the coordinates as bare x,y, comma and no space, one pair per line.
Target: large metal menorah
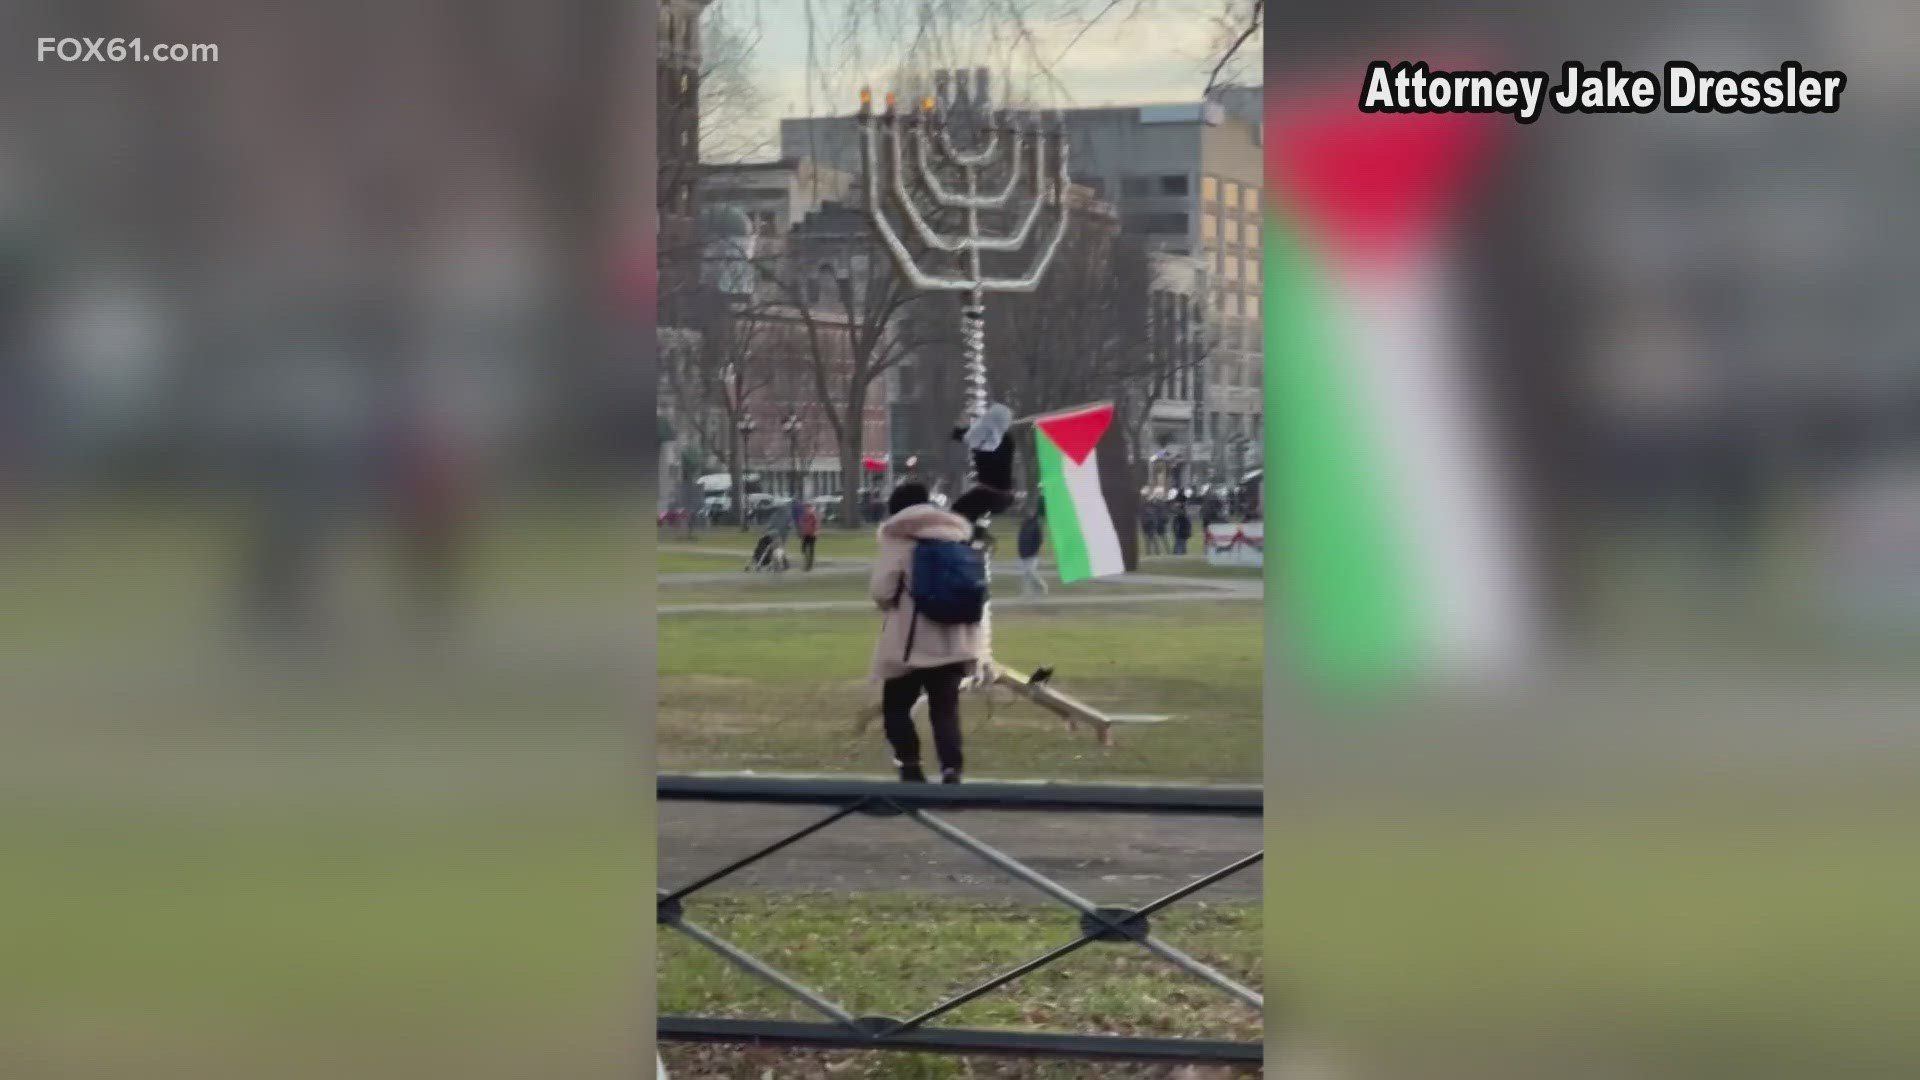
950,177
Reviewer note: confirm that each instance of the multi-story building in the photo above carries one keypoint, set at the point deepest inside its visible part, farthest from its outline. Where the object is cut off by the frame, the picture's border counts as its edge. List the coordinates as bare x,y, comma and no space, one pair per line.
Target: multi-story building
678,124
680,250
775,195
1188,179
1179,341
1248,103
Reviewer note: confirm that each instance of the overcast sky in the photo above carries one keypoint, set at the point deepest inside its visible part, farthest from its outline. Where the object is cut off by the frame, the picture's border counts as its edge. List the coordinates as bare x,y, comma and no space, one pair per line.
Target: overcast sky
1162,54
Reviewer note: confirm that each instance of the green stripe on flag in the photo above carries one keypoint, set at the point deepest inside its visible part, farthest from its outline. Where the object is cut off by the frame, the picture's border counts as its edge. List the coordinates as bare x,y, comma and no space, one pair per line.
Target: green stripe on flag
1343,577
1063,519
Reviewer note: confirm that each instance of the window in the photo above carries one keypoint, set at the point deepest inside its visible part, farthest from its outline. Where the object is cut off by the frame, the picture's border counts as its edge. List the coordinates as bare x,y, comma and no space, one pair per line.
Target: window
1136,187
1253,200
1209,189
1229,269
684,82
1233,231
1158,223
1253,306
1174,184
1233,195
1253,271
1209,226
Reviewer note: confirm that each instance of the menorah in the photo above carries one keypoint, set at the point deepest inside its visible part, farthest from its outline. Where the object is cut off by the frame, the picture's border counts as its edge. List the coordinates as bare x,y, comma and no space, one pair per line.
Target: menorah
950,177
929,131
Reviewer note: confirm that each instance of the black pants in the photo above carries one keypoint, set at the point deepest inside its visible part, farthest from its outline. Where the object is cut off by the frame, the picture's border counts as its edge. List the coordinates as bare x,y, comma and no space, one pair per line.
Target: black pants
942,687
806,550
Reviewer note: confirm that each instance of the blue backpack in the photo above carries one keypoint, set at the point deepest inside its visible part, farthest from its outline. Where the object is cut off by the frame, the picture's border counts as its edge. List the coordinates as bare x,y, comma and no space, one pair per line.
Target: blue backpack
949,581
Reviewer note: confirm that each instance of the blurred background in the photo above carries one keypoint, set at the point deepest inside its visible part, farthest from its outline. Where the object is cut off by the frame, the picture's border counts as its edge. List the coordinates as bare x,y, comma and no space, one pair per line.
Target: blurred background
1671,845
323,429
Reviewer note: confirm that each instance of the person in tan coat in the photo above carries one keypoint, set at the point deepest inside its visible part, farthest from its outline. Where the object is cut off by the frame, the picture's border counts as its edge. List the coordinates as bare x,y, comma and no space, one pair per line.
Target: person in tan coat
915,655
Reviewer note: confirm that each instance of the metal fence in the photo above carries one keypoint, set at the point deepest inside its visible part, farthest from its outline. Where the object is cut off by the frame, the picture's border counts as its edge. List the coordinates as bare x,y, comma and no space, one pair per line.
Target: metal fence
917,803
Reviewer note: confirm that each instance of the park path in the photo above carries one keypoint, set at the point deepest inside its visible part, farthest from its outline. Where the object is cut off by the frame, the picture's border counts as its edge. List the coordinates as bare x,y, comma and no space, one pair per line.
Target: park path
760,607
1108,858
727,577
1177,587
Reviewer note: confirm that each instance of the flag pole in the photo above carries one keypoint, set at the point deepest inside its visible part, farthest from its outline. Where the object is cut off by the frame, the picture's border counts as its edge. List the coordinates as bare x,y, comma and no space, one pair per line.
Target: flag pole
1036,417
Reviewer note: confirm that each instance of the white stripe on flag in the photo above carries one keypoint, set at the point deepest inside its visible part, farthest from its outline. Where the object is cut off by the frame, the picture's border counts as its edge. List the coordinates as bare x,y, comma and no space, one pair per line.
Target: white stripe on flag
1452,515
1096,521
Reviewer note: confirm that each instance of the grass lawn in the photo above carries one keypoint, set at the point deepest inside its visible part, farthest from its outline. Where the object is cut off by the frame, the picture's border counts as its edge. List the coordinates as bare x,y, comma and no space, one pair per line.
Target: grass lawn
895,954
778,692
229,937
1195,566
378,866
682,560
1702,934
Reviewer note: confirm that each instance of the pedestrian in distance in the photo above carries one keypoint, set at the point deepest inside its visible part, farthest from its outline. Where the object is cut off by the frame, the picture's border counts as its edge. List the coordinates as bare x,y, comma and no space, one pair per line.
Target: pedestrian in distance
809,532
1182,530
1030,539
929,583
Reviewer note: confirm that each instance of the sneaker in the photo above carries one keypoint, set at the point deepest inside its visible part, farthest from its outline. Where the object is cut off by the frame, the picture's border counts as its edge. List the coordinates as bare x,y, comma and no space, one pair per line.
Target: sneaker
912,774
949,776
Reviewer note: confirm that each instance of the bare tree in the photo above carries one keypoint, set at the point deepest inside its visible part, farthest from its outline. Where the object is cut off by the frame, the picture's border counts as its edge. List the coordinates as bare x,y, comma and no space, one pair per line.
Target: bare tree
1085,334
732,102
851,310
1092,331
1239,25
719,378
1179,345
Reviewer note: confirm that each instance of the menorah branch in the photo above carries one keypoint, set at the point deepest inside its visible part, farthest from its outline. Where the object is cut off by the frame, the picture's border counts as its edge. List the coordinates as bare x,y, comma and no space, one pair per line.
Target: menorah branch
930,175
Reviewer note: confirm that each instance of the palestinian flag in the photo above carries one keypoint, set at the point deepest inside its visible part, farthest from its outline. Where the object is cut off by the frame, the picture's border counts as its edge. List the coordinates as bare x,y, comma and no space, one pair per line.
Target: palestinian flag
1398,555
1091,503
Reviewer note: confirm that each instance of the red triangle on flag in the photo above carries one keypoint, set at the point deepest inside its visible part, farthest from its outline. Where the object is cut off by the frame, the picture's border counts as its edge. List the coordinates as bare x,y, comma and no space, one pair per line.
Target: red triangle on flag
1075,433
1368,185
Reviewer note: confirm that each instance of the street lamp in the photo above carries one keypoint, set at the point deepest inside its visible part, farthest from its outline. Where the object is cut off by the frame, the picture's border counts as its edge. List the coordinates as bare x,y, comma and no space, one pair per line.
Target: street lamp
793,426
746,426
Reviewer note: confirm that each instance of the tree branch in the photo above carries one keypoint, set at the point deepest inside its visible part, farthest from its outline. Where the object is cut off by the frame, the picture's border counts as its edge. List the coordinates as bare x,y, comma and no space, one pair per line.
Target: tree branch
1252,28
